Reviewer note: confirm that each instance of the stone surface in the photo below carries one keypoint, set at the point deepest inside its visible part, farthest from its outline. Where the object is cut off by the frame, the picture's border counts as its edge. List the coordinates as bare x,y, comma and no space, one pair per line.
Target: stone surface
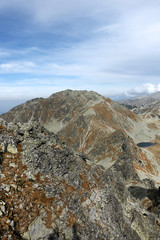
37,230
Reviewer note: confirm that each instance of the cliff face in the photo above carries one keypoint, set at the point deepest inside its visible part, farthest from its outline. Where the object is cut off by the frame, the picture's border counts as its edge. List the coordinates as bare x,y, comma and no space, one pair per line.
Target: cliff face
83,179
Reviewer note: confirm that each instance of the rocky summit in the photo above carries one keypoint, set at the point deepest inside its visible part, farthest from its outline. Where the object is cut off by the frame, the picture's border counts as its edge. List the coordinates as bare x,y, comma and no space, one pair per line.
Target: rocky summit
70,169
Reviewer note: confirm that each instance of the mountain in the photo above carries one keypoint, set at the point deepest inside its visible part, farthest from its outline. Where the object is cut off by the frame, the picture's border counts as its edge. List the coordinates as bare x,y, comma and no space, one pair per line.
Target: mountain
85,121
70,169
142,101
147,107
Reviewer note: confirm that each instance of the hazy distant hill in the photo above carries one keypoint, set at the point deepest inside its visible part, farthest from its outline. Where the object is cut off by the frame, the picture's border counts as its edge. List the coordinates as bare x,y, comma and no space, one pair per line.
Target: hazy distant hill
148,107
142,101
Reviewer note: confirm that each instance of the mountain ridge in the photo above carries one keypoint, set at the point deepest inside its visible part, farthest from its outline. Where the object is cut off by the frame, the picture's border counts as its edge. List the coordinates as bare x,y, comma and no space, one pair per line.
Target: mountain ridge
83,120
85,179
57,111
142,100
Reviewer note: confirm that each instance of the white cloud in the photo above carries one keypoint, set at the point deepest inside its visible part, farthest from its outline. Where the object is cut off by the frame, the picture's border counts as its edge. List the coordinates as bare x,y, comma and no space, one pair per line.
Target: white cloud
125,38
17,67
158,88
146,88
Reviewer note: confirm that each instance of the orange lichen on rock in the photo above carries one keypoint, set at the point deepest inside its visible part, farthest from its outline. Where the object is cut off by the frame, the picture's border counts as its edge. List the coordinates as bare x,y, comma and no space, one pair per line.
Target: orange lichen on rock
56,147
22,195
70,189
150,169
148,165
85,182
138,167
72,219
2,128
104,113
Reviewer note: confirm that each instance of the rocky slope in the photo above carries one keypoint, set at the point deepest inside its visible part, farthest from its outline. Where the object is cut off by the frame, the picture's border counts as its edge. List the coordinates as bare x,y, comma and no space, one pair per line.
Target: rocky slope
148,109
148,105
51,192
83,179
86,122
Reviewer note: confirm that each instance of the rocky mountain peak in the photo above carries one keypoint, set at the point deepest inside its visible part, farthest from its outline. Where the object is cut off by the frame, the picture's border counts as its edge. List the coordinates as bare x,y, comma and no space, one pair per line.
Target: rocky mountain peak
80,95
70,169
84,120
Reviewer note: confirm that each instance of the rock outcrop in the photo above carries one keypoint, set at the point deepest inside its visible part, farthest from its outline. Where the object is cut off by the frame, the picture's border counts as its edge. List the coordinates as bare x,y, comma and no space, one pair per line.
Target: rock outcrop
49,191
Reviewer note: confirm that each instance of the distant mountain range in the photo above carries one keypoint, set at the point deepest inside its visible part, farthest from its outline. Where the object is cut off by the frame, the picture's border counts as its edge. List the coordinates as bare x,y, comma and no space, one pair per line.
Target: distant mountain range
142,101
146,106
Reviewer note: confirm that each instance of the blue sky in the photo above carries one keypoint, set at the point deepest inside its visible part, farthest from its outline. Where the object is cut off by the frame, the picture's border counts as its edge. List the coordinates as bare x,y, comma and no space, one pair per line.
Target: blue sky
109,46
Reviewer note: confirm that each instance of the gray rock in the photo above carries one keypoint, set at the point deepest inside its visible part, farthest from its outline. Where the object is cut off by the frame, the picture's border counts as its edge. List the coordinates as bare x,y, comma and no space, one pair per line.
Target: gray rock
37,230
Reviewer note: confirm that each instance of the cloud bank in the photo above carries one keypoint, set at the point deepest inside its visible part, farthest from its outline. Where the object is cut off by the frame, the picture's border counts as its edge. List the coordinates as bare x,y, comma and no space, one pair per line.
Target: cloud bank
147,88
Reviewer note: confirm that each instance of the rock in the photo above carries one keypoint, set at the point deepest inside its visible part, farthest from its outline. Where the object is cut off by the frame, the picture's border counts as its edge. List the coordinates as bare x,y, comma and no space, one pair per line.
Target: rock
37,230
12,149
2,208
14,186
30,175
12,164
6,187
147,203
8,143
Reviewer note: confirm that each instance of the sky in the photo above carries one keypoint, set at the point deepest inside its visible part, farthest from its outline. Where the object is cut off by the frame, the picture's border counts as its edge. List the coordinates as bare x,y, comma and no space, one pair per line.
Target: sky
108,46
